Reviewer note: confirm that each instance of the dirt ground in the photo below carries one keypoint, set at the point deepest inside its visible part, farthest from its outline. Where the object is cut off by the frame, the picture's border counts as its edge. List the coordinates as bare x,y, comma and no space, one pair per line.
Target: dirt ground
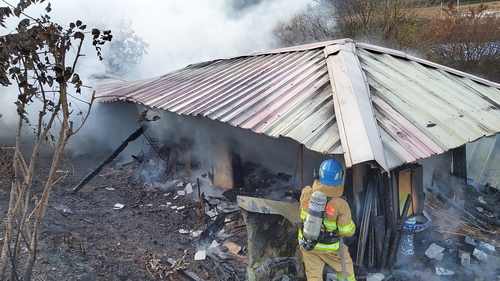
85,238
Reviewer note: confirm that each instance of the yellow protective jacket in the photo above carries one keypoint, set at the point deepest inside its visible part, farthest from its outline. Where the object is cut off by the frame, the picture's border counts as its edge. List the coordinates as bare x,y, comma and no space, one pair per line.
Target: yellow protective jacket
337,220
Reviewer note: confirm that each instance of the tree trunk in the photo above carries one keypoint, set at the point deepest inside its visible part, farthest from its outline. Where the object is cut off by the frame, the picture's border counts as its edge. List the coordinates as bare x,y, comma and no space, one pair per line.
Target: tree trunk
40,209
15,198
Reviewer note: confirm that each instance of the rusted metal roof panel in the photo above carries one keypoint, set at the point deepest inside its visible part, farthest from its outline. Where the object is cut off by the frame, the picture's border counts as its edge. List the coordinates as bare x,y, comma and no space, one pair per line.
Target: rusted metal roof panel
284,94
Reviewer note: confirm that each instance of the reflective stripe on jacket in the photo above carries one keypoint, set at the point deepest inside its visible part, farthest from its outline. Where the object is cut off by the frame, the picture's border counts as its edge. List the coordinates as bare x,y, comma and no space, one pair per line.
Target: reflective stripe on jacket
320,246
329,225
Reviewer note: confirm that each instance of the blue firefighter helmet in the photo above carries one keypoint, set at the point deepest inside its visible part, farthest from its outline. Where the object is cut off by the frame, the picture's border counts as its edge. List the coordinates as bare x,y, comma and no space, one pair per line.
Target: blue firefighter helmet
330,172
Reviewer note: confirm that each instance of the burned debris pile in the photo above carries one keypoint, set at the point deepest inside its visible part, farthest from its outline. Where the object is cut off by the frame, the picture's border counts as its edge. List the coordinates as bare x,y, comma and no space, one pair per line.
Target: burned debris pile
206,217
468,244
406,230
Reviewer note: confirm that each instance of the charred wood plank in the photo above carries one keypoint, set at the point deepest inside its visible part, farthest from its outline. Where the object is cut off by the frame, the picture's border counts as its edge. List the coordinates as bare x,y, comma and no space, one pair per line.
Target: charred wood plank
364,227
207,235
390,215
371,246
399,232
108,160
380,231
385,251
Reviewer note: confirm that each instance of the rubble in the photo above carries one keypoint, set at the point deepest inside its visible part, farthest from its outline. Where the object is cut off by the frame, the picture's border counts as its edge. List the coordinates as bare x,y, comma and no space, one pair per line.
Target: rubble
480,255
263,183
118,206
443,271
214,244
200,255
232,247
189,188
186,272
196,233
464,258
434,251
480,244
228,207
213,200
375,277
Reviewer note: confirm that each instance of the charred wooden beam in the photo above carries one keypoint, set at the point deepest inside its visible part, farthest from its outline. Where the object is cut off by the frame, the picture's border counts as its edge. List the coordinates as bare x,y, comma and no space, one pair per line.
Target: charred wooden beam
108,160
399,232
380,231
385,251
364,226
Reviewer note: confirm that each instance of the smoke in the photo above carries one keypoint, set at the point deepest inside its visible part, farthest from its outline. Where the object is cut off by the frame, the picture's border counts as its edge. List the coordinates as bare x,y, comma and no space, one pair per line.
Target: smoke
179,33
437,176
278,155
185,32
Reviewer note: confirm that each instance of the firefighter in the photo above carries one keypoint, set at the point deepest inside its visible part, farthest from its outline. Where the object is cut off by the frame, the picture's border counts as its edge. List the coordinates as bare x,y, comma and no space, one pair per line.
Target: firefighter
334,220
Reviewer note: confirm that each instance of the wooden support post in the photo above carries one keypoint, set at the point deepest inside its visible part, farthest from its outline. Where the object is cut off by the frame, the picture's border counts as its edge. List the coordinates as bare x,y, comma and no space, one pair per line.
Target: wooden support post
222,163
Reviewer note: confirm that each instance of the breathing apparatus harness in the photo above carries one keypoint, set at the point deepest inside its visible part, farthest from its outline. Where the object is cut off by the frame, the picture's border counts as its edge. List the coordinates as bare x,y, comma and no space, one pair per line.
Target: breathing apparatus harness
313,230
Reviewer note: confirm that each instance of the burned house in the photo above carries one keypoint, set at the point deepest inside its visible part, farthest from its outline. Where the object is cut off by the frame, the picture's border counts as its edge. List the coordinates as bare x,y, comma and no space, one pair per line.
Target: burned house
400,125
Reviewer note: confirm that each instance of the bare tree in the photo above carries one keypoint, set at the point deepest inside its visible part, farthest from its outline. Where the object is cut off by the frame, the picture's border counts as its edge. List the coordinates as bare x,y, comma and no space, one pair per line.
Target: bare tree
307,26
41,58
467,40
391,23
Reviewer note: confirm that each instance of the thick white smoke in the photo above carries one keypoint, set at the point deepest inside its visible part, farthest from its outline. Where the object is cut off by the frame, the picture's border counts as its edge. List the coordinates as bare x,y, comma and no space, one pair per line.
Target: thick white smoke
179,33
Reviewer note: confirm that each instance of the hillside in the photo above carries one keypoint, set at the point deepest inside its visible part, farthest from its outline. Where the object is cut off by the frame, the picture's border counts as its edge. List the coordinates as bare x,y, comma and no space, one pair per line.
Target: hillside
431,12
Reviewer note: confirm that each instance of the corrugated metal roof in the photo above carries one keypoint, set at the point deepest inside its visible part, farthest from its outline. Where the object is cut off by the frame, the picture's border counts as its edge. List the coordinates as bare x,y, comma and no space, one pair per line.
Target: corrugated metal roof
285,94
421,108
358,129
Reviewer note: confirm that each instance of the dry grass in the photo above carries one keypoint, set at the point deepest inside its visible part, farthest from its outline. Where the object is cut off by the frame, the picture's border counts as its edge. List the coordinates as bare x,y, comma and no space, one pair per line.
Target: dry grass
451,222
431,12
